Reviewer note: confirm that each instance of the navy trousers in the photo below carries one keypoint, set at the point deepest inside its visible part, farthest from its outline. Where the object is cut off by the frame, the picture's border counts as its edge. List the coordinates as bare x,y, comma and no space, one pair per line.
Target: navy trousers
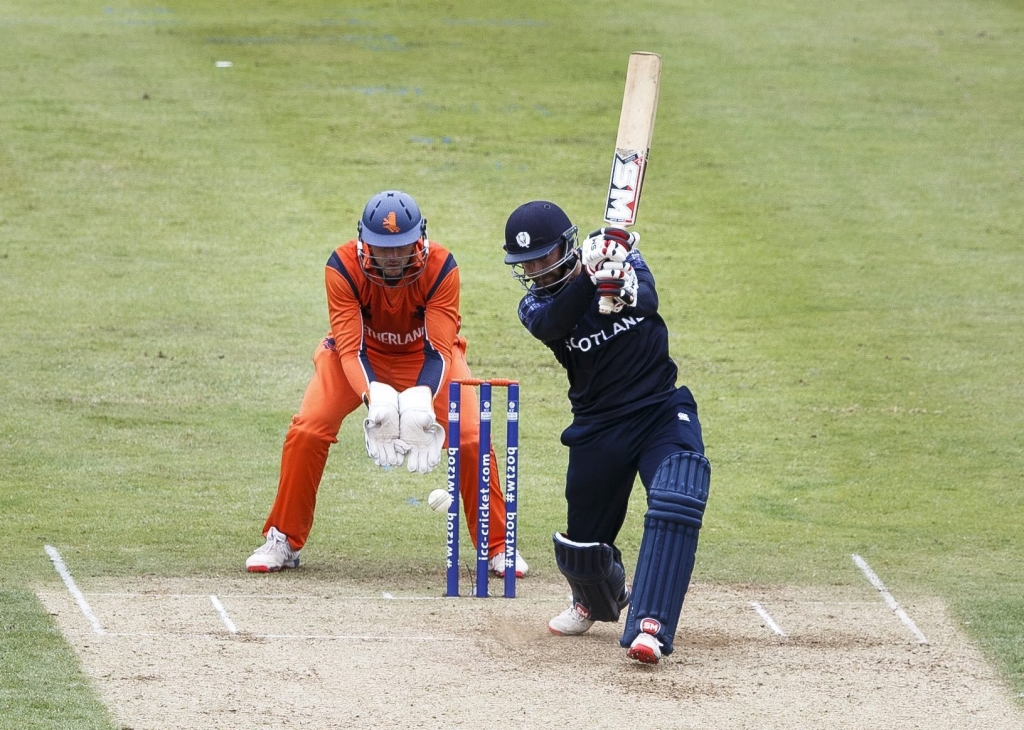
605,458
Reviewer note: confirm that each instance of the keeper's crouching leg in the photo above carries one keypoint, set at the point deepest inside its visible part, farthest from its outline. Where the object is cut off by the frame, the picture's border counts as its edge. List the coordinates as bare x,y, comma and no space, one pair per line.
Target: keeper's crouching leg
303,459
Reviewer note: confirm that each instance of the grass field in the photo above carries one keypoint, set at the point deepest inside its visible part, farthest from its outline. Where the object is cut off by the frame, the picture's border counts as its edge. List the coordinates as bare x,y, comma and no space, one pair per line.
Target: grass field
833,212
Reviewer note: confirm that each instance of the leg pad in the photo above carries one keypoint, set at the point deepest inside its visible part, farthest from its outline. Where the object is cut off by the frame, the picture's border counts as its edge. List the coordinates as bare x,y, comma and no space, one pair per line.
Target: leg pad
595,573
676,501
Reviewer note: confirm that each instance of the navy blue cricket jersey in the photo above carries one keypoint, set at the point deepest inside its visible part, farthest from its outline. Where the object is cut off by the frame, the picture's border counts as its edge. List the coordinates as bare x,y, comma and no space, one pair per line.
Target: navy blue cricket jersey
616,363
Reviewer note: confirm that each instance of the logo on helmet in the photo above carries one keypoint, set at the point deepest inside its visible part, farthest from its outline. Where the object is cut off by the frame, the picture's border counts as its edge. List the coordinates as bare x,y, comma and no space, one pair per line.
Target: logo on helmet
650,625
523,239
390,223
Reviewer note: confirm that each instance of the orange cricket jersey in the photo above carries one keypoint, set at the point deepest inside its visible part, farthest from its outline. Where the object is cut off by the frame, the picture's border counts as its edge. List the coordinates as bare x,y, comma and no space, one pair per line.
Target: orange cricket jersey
402,336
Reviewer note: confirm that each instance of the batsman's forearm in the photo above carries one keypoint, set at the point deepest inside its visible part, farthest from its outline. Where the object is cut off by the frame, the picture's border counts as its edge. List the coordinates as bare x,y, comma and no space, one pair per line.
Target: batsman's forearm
646,295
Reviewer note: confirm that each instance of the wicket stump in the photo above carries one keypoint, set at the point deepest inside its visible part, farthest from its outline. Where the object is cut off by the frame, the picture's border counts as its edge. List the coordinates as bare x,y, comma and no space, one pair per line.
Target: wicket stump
484,467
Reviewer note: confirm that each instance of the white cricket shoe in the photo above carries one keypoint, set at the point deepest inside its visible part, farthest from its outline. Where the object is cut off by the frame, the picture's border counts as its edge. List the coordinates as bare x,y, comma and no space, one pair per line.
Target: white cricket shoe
274,555
498,565
645,649
573,621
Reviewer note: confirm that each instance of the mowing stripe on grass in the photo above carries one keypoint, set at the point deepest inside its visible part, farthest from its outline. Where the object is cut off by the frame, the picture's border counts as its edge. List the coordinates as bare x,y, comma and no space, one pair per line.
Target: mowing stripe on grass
65,574
877,583
223,614
768,619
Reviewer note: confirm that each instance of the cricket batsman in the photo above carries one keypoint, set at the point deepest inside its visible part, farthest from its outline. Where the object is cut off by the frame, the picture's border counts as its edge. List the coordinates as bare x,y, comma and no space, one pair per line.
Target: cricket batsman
394,346
629,417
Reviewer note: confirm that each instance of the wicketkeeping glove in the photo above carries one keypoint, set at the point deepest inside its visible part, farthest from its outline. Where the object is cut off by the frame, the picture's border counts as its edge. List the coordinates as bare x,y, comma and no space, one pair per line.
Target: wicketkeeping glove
607,244
616,286
381,427
419,429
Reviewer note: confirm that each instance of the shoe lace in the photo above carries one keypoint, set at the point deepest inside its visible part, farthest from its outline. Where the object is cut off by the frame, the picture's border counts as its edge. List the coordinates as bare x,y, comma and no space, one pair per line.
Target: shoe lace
273,544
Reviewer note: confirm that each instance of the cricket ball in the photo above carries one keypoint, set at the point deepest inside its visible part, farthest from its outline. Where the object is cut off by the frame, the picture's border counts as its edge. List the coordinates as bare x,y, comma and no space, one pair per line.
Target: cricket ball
439,500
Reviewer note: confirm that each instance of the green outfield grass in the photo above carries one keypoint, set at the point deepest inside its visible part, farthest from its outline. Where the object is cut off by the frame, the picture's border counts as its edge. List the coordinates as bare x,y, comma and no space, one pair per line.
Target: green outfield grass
833,212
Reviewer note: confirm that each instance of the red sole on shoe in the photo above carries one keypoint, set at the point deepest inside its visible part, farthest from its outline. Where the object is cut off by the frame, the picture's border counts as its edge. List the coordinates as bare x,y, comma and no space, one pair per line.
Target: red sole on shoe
265,569
643,655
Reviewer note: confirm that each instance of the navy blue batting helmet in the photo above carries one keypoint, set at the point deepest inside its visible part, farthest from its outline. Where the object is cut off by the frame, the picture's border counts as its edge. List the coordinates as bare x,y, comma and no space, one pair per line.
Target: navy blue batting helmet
391,219
534,230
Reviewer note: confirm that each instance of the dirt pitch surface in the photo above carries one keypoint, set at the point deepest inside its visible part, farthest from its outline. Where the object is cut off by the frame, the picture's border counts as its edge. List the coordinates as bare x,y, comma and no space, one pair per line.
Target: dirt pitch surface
262,652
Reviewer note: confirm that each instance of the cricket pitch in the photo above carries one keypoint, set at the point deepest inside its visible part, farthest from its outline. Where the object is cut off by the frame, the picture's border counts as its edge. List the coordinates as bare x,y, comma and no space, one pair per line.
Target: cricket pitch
278,652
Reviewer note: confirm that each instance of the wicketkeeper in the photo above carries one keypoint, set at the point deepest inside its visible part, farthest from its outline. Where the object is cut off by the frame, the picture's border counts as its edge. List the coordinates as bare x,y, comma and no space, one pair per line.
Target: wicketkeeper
394,346
596,308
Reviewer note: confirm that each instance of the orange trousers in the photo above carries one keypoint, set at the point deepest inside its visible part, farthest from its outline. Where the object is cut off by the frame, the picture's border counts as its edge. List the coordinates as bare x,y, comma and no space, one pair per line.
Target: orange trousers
328,400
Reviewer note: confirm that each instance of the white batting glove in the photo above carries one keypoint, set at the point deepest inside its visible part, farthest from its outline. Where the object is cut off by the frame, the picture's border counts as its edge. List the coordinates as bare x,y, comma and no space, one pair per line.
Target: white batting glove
616,286
419,429
607,244
381,427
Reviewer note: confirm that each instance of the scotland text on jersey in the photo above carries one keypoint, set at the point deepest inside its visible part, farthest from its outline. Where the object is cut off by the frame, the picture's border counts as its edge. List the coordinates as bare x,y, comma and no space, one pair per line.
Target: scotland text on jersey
583,344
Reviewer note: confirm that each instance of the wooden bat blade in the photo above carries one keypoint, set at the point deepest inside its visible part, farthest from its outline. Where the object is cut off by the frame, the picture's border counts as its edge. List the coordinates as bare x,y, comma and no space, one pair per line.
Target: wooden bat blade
639,102
633,141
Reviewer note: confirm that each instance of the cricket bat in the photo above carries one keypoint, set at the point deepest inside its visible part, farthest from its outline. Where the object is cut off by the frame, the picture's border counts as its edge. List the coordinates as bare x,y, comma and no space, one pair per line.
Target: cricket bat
633,142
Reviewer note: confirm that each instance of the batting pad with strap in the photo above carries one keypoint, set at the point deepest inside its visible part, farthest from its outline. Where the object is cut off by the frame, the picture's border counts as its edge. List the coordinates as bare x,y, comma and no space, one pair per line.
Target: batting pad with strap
675,510
595,574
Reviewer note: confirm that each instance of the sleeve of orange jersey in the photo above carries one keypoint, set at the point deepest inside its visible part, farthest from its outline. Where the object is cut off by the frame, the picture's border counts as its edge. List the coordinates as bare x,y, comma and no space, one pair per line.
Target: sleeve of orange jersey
442,327
347,329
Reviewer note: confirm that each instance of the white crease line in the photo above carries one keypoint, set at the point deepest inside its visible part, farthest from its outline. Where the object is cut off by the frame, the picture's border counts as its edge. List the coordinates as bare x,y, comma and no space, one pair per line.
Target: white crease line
768,619
65,574
223,614
690,601
890,601
318,637
260,596
341,637
385,596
